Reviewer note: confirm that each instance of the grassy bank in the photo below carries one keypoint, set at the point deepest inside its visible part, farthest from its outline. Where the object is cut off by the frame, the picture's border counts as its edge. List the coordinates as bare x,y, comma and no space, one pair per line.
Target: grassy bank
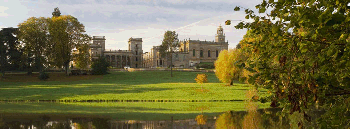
140,85
123,111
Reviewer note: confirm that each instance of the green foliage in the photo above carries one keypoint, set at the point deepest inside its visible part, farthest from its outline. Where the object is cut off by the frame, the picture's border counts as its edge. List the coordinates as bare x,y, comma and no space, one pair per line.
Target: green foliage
300,52
100,66
56,12
82,58
43,76
67,33
205,65
34,34
169,44
10,50
50,41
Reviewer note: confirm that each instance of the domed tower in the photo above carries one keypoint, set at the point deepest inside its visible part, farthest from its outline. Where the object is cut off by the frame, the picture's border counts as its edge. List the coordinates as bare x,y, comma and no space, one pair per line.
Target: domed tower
220,36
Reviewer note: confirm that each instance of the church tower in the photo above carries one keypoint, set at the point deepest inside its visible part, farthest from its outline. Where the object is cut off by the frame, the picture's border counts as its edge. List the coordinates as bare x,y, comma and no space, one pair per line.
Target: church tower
220,36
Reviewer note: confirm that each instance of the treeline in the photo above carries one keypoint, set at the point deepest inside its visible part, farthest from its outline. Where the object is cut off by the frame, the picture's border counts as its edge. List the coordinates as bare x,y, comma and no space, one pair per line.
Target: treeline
40,43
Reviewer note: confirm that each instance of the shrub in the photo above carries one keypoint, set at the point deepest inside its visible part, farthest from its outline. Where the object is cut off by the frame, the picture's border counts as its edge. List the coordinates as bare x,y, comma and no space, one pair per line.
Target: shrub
201,78
205,65
99,66
43,76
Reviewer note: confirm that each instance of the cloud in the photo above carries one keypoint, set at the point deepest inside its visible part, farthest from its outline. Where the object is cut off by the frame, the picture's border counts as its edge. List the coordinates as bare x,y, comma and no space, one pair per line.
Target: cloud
119,20
2,11
161,20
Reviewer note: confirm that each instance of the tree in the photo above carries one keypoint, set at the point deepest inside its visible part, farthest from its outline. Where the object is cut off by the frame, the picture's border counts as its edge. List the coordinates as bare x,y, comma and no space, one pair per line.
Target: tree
3,55
10,50
34,35
82,58
228,66
66,33
302,54
201,78
99,66
56,12
169,44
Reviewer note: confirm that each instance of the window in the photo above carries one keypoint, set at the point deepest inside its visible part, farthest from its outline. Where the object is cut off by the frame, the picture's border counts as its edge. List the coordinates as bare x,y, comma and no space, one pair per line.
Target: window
208,53
160,63
136,52
201,53
194,53
217,53
136,58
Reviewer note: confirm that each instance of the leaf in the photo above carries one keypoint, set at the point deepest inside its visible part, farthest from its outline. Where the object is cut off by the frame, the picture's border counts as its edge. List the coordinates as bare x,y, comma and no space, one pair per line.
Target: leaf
228,22
237,8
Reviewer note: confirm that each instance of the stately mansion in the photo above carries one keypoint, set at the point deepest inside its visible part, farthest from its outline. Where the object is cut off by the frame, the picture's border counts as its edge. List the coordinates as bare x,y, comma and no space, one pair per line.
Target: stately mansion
190,53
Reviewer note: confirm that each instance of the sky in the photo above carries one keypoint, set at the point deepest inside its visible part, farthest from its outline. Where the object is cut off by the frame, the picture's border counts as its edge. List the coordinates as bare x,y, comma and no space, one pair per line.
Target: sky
119,20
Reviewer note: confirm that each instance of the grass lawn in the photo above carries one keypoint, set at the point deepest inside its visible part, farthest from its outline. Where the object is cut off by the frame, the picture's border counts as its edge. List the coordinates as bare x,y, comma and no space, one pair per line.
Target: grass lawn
138,85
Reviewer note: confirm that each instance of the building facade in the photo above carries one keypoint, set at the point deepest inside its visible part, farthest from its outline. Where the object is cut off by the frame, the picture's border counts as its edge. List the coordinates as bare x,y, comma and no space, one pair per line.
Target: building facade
190,53
118,58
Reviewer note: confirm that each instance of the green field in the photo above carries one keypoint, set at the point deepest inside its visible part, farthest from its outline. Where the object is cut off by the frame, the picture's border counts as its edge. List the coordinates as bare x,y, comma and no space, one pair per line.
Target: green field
142,85
138,85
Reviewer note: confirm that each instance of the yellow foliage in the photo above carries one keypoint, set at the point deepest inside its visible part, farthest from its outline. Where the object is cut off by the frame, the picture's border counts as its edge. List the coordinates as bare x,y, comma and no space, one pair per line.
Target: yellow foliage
201,119
226,69
201,78
225,121
253,119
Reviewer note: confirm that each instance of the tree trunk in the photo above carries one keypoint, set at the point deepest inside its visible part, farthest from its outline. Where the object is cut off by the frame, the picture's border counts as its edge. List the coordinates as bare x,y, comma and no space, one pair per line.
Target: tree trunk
231,83
66,65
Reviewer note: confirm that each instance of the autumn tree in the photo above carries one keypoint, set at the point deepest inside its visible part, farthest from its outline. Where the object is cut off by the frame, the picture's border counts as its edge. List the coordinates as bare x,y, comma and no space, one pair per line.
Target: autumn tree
34,35
66,33
82,58
228,66
169,44
302,54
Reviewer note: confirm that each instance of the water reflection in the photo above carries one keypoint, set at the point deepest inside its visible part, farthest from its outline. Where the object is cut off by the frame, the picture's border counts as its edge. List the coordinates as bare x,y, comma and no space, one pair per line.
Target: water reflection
54,122
262,118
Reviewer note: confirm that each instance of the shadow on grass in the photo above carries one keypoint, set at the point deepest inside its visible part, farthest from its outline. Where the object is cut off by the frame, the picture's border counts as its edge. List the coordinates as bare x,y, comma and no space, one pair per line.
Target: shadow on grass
124,112
114,83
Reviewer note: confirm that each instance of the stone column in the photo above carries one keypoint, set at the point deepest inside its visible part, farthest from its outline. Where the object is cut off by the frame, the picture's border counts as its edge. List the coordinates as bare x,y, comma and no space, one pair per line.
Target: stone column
120,61
131,60
126,60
